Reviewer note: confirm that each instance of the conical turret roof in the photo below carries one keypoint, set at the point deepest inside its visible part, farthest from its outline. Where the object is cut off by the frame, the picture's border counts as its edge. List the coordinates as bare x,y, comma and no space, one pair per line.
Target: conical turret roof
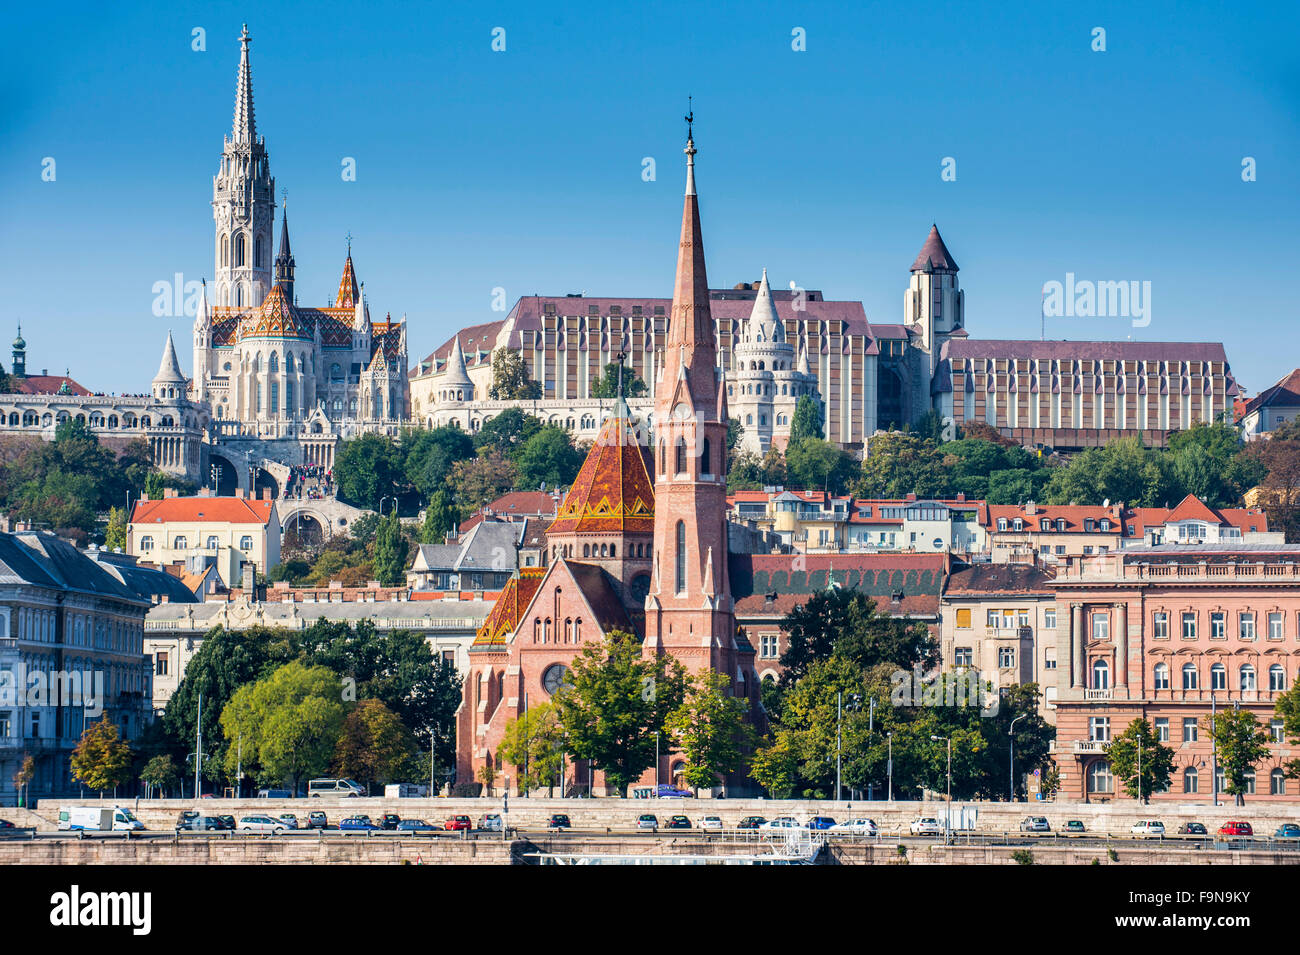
169,370
934,254
612,492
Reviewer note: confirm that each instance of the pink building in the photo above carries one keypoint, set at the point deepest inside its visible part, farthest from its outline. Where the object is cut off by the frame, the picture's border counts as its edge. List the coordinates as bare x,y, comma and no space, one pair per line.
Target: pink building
1171,633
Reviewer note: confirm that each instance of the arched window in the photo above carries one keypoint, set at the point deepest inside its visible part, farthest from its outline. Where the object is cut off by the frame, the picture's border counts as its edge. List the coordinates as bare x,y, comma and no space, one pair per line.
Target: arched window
681,456
1247,673
586,550
259,257
180,543
288,362
706,459
274,363
1189,676
1161,676
1218,677
1099,777
1277,782
1191,779
1101,675
212,542
225,251
241,246
681,557
1276,678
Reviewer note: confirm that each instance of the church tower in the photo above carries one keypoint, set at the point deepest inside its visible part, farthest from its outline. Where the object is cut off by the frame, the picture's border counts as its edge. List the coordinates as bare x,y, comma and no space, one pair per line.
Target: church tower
243,203
933,306
688,610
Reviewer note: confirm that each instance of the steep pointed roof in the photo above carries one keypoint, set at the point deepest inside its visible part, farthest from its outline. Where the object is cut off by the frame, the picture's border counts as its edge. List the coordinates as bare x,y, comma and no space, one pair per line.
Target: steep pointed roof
349,294
285,252
277,318
509,609
1192,508
765,324
690,351
245,127
612,492
934,254
457,373
170,368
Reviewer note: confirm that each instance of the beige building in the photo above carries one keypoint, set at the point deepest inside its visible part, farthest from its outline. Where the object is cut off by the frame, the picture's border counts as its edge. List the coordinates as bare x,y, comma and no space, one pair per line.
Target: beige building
1000,620
229,533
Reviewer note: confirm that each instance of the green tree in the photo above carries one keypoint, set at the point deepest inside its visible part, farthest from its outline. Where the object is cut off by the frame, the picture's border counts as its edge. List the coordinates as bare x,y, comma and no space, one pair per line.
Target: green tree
431,455
606,386
548,458
288,723
775,765
1239,743
534,744
160,774
814,463
807,420
510,378
900,464
846,623
710,729
368,469
391,548
374,745
439,519
1287,709
23,778
615,703
482,480
101,760
155,485
1139,745
507,431
115,533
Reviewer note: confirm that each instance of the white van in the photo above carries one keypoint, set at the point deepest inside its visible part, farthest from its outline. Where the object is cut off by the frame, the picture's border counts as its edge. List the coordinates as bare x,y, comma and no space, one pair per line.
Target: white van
98,819
334,787
405,791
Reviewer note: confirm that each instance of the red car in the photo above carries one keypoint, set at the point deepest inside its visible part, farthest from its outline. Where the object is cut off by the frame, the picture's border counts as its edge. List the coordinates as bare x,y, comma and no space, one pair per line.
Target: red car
457,822
1236,829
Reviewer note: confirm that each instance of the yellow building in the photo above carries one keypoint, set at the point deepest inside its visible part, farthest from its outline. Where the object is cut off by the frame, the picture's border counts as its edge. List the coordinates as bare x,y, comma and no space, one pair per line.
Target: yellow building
196,532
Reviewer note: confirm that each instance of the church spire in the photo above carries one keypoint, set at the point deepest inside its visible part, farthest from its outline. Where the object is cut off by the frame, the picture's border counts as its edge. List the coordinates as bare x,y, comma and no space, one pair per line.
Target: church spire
284,260
245,128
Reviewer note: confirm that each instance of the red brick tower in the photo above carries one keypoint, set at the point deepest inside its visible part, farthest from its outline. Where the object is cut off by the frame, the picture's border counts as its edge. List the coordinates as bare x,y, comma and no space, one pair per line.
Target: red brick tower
689,609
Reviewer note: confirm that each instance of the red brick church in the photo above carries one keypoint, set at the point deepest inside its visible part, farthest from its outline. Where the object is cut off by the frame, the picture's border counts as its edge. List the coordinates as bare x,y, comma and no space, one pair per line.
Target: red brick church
626,552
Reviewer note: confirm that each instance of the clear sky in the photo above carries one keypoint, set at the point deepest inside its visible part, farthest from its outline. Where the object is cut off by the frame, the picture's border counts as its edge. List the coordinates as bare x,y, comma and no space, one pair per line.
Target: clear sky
522,169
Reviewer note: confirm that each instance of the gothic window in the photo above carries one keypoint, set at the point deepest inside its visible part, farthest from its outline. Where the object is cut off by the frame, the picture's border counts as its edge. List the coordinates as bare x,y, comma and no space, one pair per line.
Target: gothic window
240,250
663,458
225,251
259,257
274,363
707,460
288,396
681,455
288,362
681,557
275,397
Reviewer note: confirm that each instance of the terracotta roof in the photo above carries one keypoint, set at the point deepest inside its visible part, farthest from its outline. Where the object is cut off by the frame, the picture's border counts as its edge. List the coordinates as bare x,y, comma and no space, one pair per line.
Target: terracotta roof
934,254
348,291
612,491
1000,578
509,608
1285,393
276,318
774,584
516,504
1073,514
218,510
1191,508
47,385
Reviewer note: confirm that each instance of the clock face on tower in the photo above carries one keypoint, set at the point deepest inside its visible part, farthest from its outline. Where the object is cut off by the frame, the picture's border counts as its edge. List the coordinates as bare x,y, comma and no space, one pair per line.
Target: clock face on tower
554,677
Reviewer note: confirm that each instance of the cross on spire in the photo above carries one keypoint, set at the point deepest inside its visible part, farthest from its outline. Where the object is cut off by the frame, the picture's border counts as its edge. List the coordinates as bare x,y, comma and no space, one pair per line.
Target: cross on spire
245,128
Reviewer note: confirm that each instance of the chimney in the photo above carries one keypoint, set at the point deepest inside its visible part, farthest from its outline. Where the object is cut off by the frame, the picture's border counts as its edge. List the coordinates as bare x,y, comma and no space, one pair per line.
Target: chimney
169,492
1031,509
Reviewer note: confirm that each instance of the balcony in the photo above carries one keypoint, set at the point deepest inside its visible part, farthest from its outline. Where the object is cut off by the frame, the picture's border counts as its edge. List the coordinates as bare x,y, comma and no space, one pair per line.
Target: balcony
1091,695
1090,747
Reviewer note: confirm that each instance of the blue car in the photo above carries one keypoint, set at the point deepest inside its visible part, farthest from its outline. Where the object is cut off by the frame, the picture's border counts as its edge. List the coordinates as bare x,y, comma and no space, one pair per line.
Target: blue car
821,822
417,825
358,824
1288,830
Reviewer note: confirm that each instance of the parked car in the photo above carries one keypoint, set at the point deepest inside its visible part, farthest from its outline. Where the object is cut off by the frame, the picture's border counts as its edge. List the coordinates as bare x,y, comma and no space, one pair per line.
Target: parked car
264,824
711,824
274,794
857,827
6,824
335,787
492,822
358,824
417,825
185,818
1236,829
1288,830
647,823
1192,829
289,819
389,820
926,826
201,824
1035,824
1148,828
558,821
663,791
821,822
783,822
227,822
317,820
457,823
752,822
678,822
1074,826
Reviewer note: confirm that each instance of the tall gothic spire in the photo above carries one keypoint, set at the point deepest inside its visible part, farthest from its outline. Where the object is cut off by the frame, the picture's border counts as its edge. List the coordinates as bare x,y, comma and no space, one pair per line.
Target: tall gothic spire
284,260
245,129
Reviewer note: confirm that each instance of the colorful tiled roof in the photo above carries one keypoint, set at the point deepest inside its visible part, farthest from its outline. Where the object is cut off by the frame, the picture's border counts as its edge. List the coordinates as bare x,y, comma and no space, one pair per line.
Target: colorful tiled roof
509,608
277,318
612,492
348,291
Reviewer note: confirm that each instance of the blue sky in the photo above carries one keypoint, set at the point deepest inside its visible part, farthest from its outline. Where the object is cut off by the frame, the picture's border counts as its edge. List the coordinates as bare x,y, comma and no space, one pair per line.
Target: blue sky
523,169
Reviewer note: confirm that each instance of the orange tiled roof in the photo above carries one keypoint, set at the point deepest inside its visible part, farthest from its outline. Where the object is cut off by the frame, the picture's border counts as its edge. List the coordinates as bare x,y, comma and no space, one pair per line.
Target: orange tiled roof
612,492
509,608
277,318
348,291
219,510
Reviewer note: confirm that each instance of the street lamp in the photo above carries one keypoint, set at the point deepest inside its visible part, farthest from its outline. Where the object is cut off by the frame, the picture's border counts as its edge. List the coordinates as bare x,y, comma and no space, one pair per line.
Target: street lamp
855,701
890,764
947,821
1011,731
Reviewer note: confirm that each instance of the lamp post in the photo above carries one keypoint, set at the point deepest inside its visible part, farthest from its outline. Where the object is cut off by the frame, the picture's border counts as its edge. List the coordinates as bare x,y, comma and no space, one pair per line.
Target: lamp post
855,701
1011,731
947,820
890,765
1214,740
656,763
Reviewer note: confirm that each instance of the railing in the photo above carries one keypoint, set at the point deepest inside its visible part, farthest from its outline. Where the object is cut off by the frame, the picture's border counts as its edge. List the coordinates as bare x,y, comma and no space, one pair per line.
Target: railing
1083,747
1111,568
1098,694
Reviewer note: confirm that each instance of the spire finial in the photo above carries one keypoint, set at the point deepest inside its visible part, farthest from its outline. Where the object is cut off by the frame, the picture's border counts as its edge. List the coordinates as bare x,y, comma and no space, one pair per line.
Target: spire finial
349,243
245,128
690,116
690,148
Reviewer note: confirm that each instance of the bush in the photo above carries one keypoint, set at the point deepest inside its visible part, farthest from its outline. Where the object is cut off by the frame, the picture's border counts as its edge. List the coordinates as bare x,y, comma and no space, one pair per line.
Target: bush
1023,857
